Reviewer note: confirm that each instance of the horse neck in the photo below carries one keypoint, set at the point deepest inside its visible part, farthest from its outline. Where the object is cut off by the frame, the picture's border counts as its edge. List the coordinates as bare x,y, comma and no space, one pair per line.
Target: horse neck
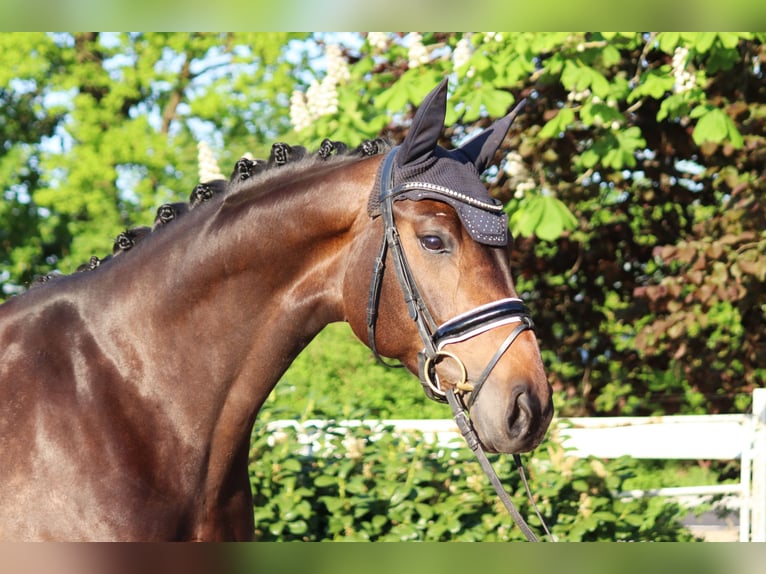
234,301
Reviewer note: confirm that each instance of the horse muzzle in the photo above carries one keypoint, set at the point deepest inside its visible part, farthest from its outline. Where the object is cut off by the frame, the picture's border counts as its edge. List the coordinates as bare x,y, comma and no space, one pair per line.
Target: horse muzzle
512,415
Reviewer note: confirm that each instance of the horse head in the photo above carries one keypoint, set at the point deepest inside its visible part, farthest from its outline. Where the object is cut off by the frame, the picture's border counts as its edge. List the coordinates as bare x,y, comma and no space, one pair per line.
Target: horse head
460,325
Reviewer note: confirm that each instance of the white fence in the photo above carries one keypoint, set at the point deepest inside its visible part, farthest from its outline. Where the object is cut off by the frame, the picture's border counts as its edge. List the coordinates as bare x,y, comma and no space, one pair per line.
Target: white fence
696,437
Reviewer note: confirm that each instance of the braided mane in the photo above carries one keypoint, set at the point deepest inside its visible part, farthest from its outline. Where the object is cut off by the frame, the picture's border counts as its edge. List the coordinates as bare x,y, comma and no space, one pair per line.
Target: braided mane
245,170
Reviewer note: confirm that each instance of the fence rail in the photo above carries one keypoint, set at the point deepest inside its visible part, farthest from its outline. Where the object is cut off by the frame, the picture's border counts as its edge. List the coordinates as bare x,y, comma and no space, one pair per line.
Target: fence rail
697,437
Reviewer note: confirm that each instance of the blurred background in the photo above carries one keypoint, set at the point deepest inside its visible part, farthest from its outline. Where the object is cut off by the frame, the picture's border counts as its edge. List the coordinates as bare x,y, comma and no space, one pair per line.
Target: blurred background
634,182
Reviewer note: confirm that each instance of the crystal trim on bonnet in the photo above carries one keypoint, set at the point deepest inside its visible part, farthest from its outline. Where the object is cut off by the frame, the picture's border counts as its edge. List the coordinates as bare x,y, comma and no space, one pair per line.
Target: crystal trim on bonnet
472,201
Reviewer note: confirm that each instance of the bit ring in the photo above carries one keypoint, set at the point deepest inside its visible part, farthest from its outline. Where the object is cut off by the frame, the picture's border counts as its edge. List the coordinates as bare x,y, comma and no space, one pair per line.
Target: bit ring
433,382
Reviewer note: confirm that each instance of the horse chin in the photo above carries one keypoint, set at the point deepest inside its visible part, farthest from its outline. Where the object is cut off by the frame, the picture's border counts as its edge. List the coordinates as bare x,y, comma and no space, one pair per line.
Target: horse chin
510,424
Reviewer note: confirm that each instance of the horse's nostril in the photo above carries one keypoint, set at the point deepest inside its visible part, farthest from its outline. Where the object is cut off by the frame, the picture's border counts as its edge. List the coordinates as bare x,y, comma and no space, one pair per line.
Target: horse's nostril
522,414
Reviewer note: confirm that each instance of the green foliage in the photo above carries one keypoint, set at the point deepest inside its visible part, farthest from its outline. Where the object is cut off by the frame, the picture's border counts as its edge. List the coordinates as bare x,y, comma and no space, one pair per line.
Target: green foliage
543,216
558,125
373,485
714,125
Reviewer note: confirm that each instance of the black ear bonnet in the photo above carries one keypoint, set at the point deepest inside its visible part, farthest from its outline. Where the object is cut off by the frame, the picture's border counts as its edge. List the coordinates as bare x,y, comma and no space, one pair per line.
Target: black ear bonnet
451,176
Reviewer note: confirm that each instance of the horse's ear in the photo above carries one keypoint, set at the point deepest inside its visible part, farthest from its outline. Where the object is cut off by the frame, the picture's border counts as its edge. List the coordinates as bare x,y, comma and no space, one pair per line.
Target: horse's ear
427,126
481,149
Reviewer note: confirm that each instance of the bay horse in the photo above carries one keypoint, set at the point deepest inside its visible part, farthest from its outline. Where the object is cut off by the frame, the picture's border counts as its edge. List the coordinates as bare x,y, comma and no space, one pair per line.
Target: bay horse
128,393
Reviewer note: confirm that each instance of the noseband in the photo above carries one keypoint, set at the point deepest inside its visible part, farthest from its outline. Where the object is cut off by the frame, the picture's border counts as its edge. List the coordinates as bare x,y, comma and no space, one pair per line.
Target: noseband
460,328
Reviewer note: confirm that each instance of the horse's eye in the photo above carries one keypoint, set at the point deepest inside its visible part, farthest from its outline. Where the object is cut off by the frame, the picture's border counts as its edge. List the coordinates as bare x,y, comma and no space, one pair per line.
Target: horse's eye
432,243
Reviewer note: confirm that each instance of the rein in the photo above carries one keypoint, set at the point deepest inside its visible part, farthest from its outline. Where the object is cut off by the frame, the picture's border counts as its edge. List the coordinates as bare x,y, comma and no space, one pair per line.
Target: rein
435,338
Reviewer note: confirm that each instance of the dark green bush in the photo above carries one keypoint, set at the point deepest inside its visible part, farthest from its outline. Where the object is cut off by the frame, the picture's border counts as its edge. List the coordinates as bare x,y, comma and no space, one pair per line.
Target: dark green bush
364,485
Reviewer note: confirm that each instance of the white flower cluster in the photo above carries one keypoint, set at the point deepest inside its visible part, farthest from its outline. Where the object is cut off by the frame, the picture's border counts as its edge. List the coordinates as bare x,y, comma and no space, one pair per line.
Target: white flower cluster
337,66
417,52
519,178
574,96
461,55
354,447
207,164
321,98
379,41
685,80
493,37
299,111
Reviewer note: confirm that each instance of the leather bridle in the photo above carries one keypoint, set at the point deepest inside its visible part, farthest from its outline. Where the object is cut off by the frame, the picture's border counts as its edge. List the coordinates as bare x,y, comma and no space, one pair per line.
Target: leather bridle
460,328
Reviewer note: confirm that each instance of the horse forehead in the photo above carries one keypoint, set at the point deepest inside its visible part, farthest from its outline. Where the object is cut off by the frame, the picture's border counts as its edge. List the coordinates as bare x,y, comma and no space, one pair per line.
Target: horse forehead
426,208
479,263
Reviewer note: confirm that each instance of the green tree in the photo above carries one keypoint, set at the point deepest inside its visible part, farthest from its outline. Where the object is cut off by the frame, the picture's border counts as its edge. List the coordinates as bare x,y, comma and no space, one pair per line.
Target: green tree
100,128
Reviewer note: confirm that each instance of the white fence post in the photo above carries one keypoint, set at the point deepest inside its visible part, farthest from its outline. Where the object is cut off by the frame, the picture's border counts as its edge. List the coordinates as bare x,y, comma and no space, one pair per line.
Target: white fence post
745,480
758,489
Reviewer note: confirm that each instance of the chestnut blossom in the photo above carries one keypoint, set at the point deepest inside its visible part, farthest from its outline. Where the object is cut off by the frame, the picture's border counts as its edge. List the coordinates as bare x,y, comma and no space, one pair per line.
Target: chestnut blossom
417,53
337,66
321,98
379,41
299,111
462,53
207,164
519,177
685,80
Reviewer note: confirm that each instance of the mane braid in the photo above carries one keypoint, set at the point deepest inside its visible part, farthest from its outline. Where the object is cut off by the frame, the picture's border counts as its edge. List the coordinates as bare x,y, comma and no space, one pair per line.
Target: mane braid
129,238
255,175
168,212
301,163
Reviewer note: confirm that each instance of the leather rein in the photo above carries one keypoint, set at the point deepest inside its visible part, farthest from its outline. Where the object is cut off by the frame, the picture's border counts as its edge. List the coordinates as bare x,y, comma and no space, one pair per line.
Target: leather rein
435,338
